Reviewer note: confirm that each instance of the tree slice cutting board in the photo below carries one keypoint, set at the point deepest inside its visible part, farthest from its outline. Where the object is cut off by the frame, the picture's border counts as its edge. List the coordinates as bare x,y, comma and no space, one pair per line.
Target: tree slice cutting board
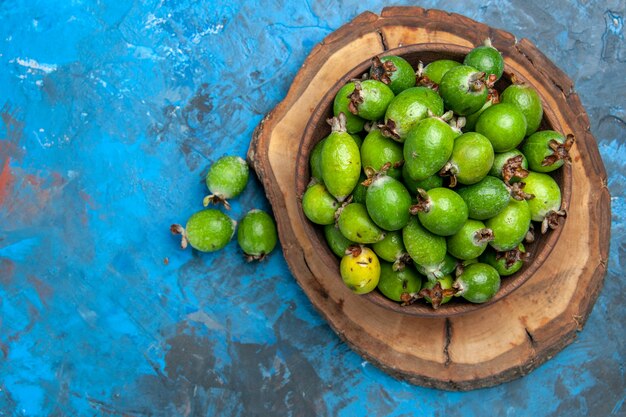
489,346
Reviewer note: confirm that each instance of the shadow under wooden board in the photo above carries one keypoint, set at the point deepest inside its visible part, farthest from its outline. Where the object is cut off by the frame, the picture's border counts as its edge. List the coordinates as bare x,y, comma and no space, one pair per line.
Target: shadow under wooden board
489,346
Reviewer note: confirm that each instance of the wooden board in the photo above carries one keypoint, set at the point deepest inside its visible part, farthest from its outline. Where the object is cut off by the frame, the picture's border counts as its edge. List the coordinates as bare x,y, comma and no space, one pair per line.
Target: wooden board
499,342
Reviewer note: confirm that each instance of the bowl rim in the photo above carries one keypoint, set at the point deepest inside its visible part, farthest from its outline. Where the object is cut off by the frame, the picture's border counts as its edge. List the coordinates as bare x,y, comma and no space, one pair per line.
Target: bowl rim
419,309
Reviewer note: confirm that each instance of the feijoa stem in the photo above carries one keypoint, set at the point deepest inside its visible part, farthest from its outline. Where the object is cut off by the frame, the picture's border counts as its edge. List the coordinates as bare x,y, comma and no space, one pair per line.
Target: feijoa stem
530,235
388,129
450,170
408,298
382,71
338,123
446,117
340,209
483,235
552,220
354,250
512,168
177,229
493,96
437,294
512,256
424,203
401,262
420,69
457,123
373,174
215,199
370,125
477,81
251,258
514,79
517,191
423,80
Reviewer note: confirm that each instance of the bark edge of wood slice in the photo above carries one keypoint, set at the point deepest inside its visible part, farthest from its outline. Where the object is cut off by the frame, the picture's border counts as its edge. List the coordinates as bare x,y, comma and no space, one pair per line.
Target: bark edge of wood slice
494,344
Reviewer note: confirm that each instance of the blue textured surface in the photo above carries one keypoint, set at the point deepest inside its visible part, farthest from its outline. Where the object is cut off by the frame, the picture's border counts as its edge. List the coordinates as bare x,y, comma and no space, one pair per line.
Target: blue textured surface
111,113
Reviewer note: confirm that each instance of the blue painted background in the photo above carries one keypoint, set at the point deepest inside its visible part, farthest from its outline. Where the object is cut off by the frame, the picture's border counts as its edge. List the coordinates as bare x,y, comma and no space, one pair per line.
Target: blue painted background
111,113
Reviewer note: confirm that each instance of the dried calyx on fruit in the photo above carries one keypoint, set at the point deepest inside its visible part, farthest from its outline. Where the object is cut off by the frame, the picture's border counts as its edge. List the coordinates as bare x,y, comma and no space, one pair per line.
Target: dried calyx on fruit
436,294
512,256
382,71
513,168
517,191
370,99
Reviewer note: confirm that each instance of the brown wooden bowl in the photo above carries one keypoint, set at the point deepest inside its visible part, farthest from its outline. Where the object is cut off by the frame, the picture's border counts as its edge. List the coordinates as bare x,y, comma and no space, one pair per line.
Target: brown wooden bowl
317,128
490,345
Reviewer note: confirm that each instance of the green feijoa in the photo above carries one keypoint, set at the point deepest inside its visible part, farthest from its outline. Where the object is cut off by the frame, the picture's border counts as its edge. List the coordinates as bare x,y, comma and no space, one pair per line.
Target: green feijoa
360,191
486,198
341,104
478,283
355,224
391,249
360,269
506,263
526,99
398,285
445,267
340,161
545,207
319,205
471,119
547,150
336,241
207,230
425,248
256,235
226,178
471,159
437,69
370,99
463,90
469,242
388,202
438,291
510,166
357,139
315,160
408,108
433,181
510,225
428,147
394,71
487,59
378,150
440,210
504,125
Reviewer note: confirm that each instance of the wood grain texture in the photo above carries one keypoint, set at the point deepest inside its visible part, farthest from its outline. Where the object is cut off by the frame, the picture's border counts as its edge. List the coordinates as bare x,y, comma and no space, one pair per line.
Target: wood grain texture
499,342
